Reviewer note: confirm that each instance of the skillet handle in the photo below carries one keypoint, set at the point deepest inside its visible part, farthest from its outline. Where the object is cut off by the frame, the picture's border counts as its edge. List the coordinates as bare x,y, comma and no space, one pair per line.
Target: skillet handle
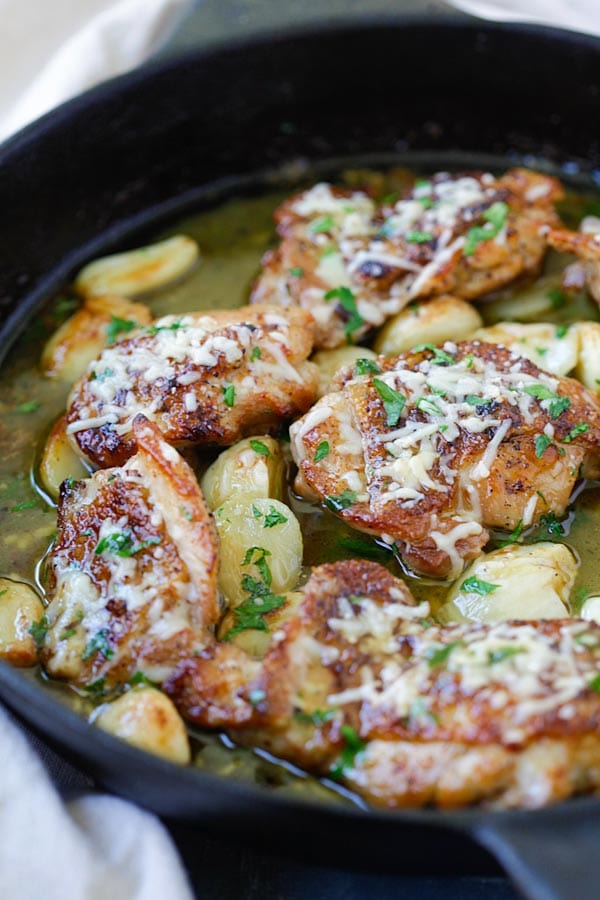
552,854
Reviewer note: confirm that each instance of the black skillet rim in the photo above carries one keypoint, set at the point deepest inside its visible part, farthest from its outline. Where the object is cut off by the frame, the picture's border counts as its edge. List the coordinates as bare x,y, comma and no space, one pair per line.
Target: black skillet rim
53,718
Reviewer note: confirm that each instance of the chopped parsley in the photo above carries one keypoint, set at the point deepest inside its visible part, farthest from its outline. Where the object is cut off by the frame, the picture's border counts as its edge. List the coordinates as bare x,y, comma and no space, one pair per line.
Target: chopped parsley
552,525
347,301
250,613
322,451
557,404
139,678
418,237
495,218
440,357
499,654
98,644
27,504
259,447
272,518
118,326
39,630
594,684
229,395
174,326
561,331
120,543
419,713
324,223
297,273
393,402
556,297
353,746
514,536
429,407
365,366
581,428
341,501
363,547
28,407
474,585
96,688
438,654
256,354
317,717
542,442
69,633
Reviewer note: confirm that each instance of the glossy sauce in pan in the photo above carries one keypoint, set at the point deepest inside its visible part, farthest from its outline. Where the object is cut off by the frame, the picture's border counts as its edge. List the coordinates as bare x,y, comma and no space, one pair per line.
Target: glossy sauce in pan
232,238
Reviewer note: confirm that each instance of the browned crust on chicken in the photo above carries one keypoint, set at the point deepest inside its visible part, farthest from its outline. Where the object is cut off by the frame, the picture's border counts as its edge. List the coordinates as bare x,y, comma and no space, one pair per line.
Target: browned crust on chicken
417,489
204,378
422,246
132,575
359,684
586,247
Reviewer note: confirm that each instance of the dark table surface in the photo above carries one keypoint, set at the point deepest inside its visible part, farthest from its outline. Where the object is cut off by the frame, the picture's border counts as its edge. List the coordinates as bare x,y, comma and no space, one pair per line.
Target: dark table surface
219,870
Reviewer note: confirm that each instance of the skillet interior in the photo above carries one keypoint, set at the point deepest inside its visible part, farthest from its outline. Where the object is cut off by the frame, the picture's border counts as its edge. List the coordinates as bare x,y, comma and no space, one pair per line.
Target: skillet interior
154,143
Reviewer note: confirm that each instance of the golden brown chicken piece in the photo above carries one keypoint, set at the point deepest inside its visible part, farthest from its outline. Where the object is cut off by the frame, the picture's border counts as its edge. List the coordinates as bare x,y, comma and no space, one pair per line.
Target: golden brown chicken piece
360,685
430,449
203,378
353,265
133,573
585,245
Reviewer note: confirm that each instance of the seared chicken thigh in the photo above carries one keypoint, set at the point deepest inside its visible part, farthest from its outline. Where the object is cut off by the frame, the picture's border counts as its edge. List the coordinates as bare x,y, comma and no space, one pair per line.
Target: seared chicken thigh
430,449
360,685
203,378
585,245
353,265
133,573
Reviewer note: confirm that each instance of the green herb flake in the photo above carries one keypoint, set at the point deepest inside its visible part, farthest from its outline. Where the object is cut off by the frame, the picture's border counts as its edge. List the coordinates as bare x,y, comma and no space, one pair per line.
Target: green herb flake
296,273
174,326
322,224
594,684
440,357
557,298
552,525
260,448
495,218
347,301
418,237
365,366
28,407
338,502
346,760
499,654
140,679
185,512
429,407
98,644
438,654
273,518
561,331
27,504
118,326
542,442
39,630
96,688
250,614
256,354
581,428
317,717
393,402
474,585
69,633
229,395
363,547
420,714
256,512
120,543
322,451
257,556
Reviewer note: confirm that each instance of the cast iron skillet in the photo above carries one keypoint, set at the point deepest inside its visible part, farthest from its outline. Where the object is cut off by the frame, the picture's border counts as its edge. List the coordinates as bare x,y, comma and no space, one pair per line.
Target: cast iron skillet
144,147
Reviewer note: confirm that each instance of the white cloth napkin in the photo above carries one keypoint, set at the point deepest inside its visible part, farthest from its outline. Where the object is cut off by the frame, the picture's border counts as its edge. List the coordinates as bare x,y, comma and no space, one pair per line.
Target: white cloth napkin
51,50
93,848
577,15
